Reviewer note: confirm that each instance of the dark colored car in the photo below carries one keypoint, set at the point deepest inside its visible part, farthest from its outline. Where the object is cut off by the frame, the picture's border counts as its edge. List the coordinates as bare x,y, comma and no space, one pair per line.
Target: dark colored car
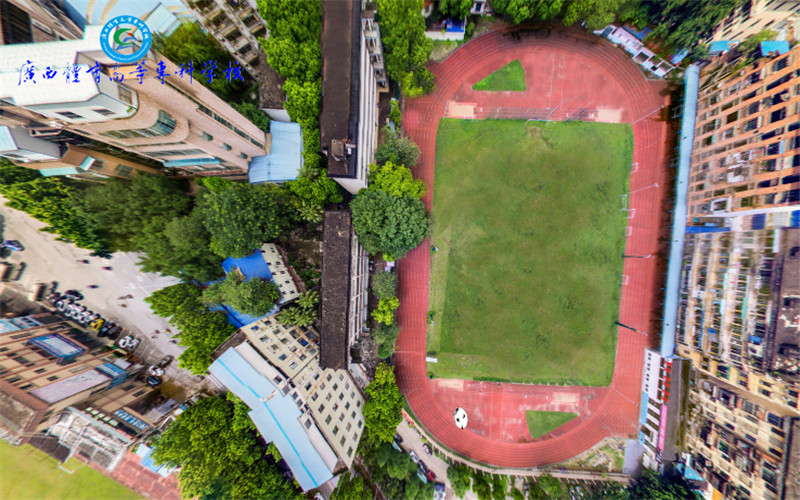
398,438
427,449
422,467
153,381
73,294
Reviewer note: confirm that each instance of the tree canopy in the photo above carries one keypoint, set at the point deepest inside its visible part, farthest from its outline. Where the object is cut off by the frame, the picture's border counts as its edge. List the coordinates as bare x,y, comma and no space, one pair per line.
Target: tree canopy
254,297
240,219
396,149
683,23
455,8
351,488
405,45
384,313
384,284
12,174
218,459
395,179
304,312
382,410
386,223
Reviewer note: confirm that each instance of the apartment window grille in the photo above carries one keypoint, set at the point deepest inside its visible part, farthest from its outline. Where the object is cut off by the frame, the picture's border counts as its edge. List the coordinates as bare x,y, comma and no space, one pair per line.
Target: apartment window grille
164,125
103,111
69,115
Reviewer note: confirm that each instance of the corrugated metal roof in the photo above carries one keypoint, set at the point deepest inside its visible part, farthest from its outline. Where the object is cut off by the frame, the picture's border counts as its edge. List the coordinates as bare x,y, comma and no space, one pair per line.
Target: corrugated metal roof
779,46
275,415
50,172
285,156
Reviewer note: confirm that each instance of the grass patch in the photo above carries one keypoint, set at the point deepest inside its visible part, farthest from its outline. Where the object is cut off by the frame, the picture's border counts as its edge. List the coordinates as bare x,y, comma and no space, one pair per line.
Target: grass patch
509,77
28,473
542,422
525,286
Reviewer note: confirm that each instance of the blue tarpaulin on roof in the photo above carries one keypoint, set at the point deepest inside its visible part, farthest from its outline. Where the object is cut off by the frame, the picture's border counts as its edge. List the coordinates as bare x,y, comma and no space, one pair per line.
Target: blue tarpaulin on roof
275,415
252,266
721,46
285,155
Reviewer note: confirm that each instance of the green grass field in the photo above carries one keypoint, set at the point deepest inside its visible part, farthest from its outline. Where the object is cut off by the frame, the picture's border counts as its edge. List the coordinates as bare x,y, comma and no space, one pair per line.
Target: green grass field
527,220
28,473
542,422
509,77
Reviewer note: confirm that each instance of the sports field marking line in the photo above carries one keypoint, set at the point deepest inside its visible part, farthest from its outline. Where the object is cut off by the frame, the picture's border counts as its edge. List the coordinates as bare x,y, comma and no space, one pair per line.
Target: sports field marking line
634,167
628,230
624,396
624,279
631,213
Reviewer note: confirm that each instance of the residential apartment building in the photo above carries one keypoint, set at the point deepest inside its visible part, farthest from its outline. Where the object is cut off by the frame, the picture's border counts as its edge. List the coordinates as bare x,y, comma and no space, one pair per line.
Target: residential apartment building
746,156
36,21
345,279
283,275
753,16
313,414
236,25
178,123
349,115
47,365
741,443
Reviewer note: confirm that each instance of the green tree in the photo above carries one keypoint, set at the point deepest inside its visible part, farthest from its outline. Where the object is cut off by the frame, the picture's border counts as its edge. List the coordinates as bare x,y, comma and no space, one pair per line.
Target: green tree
460,479
308,212
304,313
243,217
294,61
12,174
215,456
395,179
520,11
351,488
612,491
455,8
189,44
319,191
552,486
681,24
752,42
168,301
395,114
384,284
382,410
201,333
396,149
55,202
596,14
122,209
481,486
254,297
655,487
253,113
384,313
386,223
405,45
499,487
516,494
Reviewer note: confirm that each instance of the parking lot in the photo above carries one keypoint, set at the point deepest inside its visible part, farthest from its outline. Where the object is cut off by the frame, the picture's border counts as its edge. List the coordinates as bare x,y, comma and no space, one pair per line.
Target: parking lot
45,260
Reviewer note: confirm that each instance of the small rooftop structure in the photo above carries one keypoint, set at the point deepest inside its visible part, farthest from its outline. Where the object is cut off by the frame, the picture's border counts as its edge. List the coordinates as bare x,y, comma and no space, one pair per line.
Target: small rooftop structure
336,252
285,158
721,47
282,274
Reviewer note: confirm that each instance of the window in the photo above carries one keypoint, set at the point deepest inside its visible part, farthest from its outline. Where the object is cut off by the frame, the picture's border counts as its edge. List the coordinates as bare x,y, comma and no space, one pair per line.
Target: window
226,147
349,426
777,115
103,111
341,442
69,115
52,378
14,379
292,365
21,360
242,156
26,387
314,396
40,370
347,406
779,65
123,170
125,95
335,429
789,179
328,419
175,152
164,125
308,424
321,407
139,393
335,386
282,357
349,452
207,136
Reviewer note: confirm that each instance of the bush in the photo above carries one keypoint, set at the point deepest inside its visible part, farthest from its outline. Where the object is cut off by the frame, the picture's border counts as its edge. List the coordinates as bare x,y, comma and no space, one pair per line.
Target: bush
384,284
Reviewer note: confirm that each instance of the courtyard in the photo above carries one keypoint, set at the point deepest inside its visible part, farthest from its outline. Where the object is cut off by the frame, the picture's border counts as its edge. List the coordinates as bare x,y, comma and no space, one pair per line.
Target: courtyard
530,231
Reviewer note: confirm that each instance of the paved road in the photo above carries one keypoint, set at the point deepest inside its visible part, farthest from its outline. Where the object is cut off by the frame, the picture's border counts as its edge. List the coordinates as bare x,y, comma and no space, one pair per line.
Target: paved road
50,260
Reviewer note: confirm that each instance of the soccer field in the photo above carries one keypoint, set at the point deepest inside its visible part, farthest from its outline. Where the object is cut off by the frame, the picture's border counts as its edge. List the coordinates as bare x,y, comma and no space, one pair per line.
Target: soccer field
527,219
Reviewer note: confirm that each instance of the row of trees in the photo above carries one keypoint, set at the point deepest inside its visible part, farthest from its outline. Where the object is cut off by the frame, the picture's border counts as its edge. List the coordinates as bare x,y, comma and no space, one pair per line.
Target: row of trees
405,45
495,486
217,448
677,23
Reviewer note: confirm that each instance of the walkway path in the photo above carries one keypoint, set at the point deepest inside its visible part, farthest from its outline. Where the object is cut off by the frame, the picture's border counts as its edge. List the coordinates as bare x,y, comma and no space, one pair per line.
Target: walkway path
570,75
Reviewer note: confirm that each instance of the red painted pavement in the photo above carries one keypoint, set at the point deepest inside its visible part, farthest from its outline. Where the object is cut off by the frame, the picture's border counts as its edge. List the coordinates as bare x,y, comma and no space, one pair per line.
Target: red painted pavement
568,73
131,473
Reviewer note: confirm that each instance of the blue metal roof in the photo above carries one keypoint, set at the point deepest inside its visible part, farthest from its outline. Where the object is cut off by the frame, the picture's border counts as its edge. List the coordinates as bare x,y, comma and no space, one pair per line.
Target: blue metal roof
721,46
780,46
276,416
285,155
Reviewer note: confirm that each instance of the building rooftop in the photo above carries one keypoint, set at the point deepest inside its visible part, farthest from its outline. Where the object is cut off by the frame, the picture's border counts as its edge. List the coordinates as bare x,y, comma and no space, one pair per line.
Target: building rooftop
336,241
20,413
245,373
340,76
270,84
285,156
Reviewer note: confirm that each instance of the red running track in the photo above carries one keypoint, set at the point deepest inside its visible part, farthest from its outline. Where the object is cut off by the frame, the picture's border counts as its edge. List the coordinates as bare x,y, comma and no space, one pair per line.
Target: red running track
566,71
